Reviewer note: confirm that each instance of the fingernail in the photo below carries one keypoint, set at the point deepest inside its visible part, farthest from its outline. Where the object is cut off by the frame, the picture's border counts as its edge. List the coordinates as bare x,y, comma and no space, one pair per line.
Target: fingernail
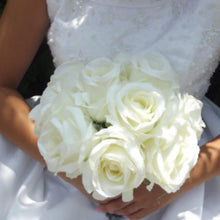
98,210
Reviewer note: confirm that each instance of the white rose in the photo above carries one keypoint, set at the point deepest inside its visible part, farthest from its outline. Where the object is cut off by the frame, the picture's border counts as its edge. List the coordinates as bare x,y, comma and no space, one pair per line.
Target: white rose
64,88
62,141
66,78
170,156
136,106
191,110
171,150
115,165
43,112
184,108
97,77
154,68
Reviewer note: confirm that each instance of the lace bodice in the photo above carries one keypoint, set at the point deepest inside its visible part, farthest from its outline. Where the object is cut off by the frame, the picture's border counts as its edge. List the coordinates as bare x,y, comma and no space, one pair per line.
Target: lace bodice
186,32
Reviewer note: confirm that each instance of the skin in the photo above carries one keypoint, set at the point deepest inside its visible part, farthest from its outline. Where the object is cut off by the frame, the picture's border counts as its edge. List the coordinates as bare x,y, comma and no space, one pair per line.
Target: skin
145,202
21,32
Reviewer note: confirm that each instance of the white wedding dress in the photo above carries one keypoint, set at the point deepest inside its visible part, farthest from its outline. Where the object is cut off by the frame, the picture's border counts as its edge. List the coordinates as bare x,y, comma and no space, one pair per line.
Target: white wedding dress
187,32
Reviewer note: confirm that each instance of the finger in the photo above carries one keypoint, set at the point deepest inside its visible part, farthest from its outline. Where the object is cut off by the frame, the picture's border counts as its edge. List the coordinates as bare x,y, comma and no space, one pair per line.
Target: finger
114,205
129,209
106,201
138,214
111,199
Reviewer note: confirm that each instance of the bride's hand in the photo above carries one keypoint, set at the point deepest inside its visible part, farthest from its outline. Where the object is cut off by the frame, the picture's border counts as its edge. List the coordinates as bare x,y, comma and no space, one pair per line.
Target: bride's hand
144,203
77,182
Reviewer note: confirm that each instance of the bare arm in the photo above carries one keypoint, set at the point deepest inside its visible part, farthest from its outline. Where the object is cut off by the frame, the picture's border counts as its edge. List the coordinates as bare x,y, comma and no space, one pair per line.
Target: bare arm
22,28
23,25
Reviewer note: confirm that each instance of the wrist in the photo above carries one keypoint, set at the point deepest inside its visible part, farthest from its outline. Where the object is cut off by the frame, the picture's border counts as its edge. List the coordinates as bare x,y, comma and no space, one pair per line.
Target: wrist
214,147
207,166
15,124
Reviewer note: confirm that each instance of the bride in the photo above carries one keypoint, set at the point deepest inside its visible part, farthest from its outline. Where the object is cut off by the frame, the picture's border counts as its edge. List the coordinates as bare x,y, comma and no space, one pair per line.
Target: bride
186,32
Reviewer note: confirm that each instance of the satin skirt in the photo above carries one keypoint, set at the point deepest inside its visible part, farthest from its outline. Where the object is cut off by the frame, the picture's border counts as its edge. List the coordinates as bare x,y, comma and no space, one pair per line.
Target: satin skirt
28,191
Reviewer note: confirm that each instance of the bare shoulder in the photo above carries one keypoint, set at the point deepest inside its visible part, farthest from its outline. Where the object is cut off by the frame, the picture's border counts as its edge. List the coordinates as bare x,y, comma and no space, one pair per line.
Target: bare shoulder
23,25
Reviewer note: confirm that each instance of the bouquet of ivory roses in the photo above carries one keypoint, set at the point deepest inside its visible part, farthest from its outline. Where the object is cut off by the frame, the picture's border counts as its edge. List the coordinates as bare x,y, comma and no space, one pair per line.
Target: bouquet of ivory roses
117,123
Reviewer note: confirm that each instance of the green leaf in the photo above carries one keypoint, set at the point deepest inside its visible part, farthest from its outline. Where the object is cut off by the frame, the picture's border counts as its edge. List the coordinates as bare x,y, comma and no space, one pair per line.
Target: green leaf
146,181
